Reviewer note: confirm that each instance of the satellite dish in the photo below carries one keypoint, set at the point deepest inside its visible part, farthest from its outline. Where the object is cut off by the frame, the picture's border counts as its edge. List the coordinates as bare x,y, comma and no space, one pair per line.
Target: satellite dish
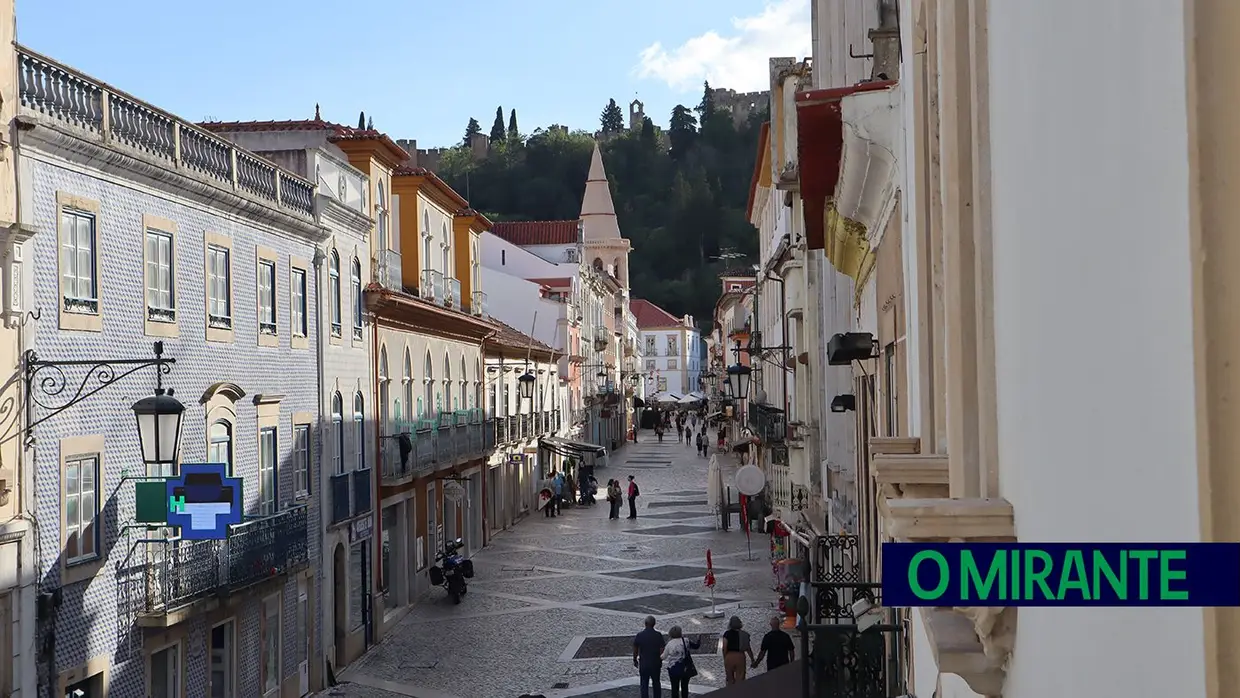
750,480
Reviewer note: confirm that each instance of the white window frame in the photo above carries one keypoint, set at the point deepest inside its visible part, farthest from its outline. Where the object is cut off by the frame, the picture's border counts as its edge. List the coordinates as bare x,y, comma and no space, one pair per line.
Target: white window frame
212,442
355,283
79,242
301,460
359,430
230,660
268,471
299,288
267,315
270,685
333,275
219,281
338,433
79,527
160,275
178,656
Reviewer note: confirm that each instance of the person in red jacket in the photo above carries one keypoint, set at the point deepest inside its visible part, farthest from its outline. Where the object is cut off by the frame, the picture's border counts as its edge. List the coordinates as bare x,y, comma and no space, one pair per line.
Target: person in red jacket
634,493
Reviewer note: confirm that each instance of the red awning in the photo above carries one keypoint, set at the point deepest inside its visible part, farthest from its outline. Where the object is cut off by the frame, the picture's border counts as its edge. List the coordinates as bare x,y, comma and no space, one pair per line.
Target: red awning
820,145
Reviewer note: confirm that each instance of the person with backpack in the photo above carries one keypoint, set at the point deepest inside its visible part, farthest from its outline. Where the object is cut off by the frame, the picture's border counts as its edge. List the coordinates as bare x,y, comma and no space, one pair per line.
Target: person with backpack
679,661
634,493
701,443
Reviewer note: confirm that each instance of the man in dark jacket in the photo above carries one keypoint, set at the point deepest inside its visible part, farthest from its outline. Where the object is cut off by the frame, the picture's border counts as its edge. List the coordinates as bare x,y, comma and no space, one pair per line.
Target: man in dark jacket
648,656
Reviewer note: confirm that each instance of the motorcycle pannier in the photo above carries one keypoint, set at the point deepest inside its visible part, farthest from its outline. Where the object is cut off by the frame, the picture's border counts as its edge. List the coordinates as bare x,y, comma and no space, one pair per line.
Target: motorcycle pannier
467,568
436,575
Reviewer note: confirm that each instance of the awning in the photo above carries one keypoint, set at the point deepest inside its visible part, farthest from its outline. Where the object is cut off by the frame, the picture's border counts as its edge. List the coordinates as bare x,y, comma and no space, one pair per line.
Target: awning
784,681
820,146
568,447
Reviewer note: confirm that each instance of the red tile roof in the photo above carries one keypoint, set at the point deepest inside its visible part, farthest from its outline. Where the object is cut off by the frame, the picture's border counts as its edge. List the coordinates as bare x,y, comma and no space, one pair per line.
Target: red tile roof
337,132
513,338
537,232
650,315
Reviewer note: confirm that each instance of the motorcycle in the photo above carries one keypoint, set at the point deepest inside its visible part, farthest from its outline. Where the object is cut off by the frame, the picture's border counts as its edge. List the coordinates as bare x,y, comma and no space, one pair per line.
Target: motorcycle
453,572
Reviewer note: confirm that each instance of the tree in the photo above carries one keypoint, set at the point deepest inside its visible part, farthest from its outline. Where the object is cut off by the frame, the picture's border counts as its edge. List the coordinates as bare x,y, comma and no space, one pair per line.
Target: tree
682,131
361,121
513,133
473,129
706,107
649,137
497,128
370,124
612,118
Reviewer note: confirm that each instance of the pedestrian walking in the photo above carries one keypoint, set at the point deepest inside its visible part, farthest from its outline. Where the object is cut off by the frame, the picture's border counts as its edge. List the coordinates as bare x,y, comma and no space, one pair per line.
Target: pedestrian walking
634,493
557,487
679,661
680,431
722,437
648,658
777,647
549,508
735,649
701,443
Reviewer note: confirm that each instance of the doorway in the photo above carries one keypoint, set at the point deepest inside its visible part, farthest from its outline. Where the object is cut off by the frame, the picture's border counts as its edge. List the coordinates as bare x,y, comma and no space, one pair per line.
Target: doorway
340,605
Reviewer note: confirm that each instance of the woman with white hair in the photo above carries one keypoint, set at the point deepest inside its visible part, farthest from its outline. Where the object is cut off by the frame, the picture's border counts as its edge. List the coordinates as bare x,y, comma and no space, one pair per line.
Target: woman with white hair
679,661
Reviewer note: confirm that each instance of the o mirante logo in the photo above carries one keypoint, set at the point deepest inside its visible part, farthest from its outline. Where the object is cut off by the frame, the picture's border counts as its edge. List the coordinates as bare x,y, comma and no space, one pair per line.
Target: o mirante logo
1061,574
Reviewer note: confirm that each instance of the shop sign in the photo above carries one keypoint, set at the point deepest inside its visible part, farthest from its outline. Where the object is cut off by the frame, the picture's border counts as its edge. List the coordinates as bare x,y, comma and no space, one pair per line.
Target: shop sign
361,529
454,491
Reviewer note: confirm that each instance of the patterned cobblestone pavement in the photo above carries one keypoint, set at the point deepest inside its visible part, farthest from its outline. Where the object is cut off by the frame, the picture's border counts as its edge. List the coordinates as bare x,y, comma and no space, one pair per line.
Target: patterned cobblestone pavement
552,589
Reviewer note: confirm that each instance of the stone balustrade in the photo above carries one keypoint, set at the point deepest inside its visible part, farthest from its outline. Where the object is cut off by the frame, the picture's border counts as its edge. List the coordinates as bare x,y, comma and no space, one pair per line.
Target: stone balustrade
52,90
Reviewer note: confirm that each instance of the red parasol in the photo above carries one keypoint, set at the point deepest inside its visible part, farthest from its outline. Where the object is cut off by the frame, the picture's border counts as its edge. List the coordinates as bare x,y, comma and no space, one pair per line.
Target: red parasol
710,571
745,515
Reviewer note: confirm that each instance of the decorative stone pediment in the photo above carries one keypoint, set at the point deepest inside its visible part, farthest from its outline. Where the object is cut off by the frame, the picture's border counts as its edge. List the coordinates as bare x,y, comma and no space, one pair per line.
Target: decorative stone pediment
911,476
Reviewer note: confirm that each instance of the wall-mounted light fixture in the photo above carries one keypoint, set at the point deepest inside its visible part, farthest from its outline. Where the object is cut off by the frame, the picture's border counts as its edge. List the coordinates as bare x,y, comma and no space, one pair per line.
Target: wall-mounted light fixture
844,403
847,347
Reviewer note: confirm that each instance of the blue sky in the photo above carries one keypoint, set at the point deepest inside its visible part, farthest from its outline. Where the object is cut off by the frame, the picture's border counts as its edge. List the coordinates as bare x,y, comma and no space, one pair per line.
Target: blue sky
419,69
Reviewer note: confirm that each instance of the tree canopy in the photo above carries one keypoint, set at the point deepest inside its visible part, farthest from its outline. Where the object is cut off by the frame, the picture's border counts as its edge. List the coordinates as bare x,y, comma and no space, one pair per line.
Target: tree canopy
612,119
683,208
497,128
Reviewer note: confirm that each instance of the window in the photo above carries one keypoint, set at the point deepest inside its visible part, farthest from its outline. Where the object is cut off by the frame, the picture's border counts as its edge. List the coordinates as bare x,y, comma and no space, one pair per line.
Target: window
892,400
492,401
426,252
650,364
224,660
166,672
301,459
381,214
338,433
270,644
266,297
409,385
81,505
671,345
299,308
446,252
428,391
652,347
355,279
464,394
219,288
357,591
220,444
359,431
268,480
160,295
507,399
503,257
447,384
671,364
385,559
79,277
333,276
305,645
734,287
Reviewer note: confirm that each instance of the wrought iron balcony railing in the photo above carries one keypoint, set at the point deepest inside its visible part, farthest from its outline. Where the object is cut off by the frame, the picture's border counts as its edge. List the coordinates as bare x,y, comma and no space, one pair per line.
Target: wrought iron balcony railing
768,423
396,468
452,293
387,271
361,491
490,434
51,90
478,304
501,430
432,286
342,504
179,572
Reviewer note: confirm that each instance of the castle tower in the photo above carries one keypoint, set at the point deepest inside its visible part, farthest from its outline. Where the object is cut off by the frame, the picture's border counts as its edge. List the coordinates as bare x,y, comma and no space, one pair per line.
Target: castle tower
600,229
637,113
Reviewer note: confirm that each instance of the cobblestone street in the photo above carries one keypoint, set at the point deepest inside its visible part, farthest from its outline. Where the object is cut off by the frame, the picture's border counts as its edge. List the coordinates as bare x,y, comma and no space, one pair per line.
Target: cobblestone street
556,601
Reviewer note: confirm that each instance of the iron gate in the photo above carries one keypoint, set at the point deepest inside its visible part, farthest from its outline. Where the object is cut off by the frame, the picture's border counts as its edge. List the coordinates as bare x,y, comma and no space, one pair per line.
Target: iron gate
847,663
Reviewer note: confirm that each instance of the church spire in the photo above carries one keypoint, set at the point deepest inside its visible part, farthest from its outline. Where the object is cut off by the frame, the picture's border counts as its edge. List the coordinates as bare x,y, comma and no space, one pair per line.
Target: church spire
598,213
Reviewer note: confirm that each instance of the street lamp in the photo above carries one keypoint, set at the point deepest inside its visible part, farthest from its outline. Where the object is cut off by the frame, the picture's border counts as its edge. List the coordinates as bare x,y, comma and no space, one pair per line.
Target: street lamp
526,384
738,381
159,427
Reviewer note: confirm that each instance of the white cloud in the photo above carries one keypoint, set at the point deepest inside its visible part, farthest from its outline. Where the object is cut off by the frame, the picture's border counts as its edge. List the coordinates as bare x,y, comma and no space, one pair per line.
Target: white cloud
738,61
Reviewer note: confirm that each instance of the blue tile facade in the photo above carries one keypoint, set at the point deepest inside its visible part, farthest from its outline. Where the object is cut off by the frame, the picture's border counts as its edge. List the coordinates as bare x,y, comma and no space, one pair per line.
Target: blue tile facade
98,616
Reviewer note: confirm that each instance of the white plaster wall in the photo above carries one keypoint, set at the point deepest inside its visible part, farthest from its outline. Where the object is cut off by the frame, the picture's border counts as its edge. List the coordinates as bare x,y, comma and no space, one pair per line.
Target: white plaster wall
1097,435
522,262
436,221
556,254
514,301
911,227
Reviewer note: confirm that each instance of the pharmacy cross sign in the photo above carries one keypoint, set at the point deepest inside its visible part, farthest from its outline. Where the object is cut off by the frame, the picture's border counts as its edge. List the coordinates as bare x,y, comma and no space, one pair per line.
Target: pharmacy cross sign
203,501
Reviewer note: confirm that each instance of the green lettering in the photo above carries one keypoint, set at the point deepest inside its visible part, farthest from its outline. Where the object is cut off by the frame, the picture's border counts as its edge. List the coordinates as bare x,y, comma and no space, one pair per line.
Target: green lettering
971,577
1102,568
1035,576
1073,577
1015,575
176,503
944,574
1167,575
1143,557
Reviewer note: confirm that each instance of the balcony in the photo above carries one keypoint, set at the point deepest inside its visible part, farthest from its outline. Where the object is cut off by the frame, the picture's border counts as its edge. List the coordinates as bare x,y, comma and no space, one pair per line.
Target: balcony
361,491
490,434
452,293
478,304
432,286
51,91
501,430
385,270
342,504
179,572
395,470
768,423
602,338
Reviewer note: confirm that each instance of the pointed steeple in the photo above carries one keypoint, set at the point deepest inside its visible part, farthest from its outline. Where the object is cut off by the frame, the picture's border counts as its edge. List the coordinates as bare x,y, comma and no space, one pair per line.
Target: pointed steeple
598,213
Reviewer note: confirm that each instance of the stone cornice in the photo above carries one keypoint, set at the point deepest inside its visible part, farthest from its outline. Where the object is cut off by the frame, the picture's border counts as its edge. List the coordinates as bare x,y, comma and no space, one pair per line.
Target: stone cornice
90,150
332,212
